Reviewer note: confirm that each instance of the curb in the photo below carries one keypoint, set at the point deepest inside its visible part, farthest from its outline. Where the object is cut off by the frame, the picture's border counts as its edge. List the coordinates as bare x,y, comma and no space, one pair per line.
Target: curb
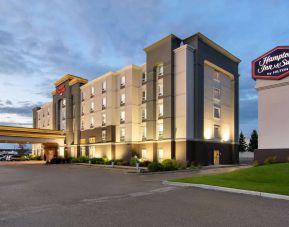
231,190
109,166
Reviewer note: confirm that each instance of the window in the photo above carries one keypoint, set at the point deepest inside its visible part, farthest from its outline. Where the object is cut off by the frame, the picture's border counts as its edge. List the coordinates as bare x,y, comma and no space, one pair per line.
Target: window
122,134
161,130
92,92
144,95
160,70
82,96
144,132
103,102
91,107
91,122
161,109
82,110
122,116
103,119
103,86
144,77
122,81
48,112
103,135
82,125
160,90
160,155
144,154
91,151
83,151
217,112
122,99
63,102
217,131
63,115
217,93
216,76
144,113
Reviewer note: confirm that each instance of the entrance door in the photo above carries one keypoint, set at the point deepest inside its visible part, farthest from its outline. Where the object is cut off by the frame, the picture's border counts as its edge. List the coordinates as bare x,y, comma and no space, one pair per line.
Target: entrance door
216,157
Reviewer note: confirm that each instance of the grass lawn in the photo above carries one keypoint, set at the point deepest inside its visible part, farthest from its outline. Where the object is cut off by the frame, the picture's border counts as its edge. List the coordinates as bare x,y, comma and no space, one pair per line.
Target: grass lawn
272,178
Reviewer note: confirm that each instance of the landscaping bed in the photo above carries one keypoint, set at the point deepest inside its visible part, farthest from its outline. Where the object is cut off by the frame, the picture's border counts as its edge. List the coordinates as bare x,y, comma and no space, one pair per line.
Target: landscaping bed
272,178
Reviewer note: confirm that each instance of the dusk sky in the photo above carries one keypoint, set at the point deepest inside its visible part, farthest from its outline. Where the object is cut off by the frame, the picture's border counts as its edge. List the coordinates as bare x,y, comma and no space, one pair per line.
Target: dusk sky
40,41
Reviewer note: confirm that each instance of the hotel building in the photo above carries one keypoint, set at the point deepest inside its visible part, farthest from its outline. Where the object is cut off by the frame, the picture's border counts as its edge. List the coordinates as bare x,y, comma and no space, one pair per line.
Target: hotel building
182,104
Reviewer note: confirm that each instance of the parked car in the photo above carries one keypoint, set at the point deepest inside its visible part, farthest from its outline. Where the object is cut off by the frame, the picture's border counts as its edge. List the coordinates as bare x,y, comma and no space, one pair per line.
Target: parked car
15,157
2,157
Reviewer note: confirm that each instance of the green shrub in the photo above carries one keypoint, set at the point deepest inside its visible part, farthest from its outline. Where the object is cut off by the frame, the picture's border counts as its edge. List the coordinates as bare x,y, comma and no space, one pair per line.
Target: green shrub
256,163
270,160
155,166
107,162
97,161
83,159
195,165
121,162
144,163
133,161
170,164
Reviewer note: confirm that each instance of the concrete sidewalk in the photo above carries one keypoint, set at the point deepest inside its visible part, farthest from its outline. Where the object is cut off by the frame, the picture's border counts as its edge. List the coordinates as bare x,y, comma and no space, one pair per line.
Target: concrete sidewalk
32,162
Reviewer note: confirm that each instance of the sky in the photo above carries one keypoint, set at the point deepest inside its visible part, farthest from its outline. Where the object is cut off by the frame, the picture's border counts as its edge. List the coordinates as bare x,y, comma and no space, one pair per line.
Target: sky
40,41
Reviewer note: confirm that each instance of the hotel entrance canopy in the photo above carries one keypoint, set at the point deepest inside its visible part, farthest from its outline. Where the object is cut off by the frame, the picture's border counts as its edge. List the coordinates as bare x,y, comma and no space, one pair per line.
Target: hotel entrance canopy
9,134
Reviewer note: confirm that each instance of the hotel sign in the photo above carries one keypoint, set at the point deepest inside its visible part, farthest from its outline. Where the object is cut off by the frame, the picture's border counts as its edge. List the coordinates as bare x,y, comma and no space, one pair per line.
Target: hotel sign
60,89
272,65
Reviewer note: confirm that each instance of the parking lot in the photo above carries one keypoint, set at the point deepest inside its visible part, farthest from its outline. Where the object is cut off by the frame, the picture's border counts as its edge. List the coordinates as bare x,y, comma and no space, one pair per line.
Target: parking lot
73,195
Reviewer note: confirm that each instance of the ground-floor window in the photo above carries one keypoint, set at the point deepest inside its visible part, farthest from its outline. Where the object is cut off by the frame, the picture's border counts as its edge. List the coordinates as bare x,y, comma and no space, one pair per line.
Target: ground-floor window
144,154
83,153
160,155
92,151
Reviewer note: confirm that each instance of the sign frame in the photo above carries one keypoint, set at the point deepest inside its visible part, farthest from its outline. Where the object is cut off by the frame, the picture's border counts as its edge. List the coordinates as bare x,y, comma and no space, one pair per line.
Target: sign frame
269,77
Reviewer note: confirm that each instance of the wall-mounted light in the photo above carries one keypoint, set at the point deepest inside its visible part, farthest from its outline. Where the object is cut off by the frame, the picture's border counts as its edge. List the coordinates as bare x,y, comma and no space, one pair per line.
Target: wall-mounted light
208,133
226,135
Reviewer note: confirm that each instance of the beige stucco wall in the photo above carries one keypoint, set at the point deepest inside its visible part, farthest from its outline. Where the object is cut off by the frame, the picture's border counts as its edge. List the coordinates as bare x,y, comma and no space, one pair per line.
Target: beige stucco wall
226,122
45,115
273,112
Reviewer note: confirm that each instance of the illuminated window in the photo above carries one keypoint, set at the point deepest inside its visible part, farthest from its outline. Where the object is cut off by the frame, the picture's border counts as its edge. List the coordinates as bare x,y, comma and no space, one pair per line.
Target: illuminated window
160,90
122,99
161,130
103,119
104,86
122,81
216,131
160,155
161,109
144,154
122,134
216,76
217,111
122,116
91,151
144,113
92,92
144,132
103,102
103,135
83,151
91,122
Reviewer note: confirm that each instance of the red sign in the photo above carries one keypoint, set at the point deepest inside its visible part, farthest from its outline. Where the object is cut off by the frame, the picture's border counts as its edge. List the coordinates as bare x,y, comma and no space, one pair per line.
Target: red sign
60,89
273,65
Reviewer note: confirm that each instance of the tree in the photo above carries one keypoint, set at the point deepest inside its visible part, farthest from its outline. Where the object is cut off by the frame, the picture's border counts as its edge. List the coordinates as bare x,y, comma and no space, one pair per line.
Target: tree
253,144
243,146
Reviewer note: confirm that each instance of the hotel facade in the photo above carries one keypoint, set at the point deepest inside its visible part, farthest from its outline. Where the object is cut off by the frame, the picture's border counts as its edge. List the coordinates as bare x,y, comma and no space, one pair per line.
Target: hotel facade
181,104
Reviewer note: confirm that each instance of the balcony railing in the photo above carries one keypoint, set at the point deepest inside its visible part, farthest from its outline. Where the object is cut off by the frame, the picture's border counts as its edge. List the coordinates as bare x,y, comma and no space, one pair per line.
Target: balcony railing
161,115
122,121
160,95
122,103
161,135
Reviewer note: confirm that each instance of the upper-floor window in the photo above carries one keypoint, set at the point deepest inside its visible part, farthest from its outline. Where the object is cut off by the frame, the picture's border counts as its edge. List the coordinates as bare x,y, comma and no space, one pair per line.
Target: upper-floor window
160,155
82,125
160,90
122,116
144,113
217,111
63,102
122,134
122,99
160,70
144,77
122,81
103,135
48,112
103,102
82,96
91,122
103,119
216,131
144,132
92,107
161,129
217,93
161,109
216,76
82,110
144,95
103,86
92,92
